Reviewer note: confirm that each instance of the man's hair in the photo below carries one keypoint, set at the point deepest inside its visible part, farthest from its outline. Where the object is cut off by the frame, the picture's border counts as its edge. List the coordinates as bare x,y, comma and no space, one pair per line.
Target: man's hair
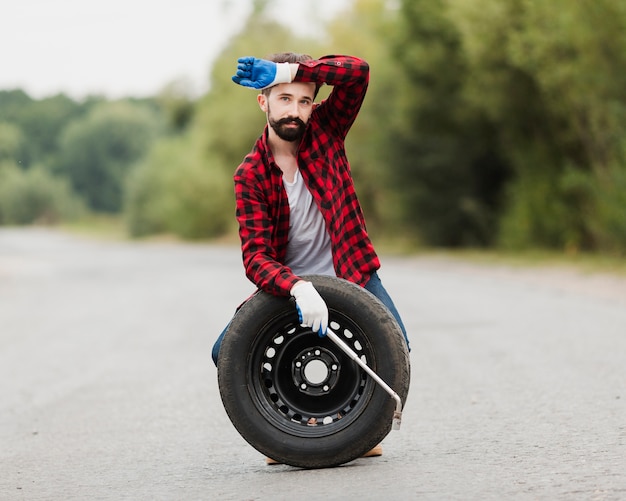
288,57
292,58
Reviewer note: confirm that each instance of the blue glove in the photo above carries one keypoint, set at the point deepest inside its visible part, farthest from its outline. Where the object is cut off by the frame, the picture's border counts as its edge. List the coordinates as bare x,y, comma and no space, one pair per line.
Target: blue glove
260,73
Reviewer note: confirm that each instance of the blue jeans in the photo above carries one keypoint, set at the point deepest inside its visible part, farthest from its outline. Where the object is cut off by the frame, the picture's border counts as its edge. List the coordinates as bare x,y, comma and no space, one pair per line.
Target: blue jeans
374,285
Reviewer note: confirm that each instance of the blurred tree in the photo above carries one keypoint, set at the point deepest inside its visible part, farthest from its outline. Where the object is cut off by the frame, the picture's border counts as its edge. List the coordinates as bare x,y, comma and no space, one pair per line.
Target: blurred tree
98,150
40,122
548,74
511,99
11,141
576,52
176,101
43,121
34,196
174,191
449,171
11,102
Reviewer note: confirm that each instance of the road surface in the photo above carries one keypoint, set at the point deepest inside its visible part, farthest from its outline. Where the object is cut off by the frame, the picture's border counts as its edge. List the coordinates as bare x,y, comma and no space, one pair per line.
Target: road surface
107,390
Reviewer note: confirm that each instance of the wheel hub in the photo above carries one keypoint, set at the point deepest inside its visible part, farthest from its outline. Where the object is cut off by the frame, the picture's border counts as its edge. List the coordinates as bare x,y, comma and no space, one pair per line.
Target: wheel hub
315,371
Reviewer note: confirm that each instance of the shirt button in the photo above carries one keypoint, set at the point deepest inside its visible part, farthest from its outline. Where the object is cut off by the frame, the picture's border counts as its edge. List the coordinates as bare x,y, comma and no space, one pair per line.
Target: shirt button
337,63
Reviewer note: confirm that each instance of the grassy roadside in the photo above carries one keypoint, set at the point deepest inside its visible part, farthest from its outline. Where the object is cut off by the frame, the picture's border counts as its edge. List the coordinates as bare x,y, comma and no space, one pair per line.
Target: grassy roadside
583,262
586,263
99,227
113,228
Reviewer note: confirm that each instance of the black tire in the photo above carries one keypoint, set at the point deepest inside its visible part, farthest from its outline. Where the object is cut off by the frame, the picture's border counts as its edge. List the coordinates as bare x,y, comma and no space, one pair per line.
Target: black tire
291,413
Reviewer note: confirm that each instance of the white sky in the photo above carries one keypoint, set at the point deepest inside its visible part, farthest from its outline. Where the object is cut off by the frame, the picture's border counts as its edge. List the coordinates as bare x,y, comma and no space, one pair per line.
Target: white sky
122,47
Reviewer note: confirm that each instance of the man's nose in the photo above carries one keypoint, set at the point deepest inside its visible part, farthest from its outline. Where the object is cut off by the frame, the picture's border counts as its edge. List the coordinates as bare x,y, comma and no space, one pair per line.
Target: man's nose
295,109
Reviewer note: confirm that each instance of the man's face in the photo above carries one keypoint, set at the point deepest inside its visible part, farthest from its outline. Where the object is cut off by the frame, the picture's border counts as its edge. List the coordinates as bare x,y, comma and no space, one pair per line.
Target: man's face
288,108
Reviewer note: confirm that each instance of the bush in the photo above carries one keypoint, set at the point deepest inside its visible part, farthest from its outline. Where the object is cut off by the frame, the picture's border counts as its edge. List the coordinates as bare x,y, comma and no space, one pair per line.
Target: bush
35,196
98,151
609,220
175,191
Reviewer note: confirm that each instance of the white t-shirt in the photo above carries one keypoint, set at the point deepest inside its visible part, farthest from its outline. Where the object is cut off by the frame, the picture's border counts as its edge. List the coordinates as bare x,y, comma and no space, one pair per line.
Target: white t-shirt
308,249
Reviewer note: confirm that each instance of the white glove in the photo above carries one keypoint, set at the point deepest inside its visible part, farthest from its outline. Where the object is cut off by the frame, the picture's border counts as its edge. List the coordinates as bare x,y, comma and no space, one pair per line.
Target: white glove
311,307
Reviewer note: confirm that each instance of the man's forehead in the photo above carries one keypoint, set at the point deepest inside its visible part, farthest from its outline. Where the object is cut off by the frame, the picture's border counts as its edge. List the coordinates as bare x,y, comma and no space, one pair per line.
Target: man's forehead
295,89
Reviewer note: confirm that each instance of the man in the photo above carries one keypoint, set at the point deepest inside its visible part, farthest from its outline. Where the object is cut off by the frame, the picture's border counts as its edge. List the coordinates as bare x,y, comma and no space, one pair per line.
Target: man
297,208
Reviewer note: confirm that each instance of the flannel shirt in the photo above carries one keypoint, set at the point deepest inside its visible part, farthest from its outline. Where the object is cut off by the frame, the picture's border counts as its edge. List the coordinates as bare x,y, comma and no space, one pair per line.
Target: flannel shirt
262,206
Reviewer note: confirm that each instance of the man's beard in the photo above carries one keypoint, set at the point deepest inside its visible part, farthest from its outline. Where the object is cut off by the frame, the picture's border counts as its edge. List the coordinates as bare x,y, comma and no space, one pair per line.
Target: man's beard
286,133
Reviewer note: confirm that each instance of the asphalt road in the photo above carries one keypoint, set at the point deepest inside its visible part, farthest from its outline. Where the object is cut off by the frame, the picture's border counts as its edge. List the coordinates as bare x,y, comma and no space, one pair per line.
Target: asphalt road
107,390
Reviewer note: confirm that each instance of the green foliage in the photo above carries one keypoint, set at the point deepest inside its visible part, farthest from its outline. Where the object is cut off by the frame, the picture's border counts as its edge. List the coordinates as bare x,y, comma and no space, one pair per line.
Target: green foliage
545,72
447,168
608,221
174,191
98,150
508,121
35,196
11,141
177,104
40,122
585,96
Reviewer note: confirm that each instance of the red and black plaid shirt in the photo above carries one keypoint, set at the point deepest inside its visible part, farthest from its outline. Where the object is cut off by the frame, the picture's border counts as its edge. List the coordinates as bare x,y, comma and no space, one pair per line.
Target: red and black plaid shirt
262,204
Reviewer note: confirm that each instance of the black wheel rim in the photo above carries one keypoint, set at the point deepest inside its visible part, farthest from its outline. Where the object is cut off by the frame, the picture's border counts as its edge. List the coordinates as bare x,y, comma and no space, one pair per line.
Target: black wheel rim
305,385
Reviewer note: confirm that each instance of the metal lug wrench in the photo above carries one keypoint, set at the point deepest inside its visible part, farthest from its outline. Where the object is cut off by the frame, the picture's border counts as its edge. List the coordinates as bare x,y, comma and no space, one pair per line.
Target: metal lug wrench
397,415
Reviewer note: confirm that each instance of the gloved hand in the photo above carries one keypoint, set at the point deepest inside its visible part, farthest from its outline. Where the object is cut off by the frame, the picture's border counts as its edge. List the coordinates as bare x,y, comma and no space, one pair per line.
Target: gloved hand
260,73
311,307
